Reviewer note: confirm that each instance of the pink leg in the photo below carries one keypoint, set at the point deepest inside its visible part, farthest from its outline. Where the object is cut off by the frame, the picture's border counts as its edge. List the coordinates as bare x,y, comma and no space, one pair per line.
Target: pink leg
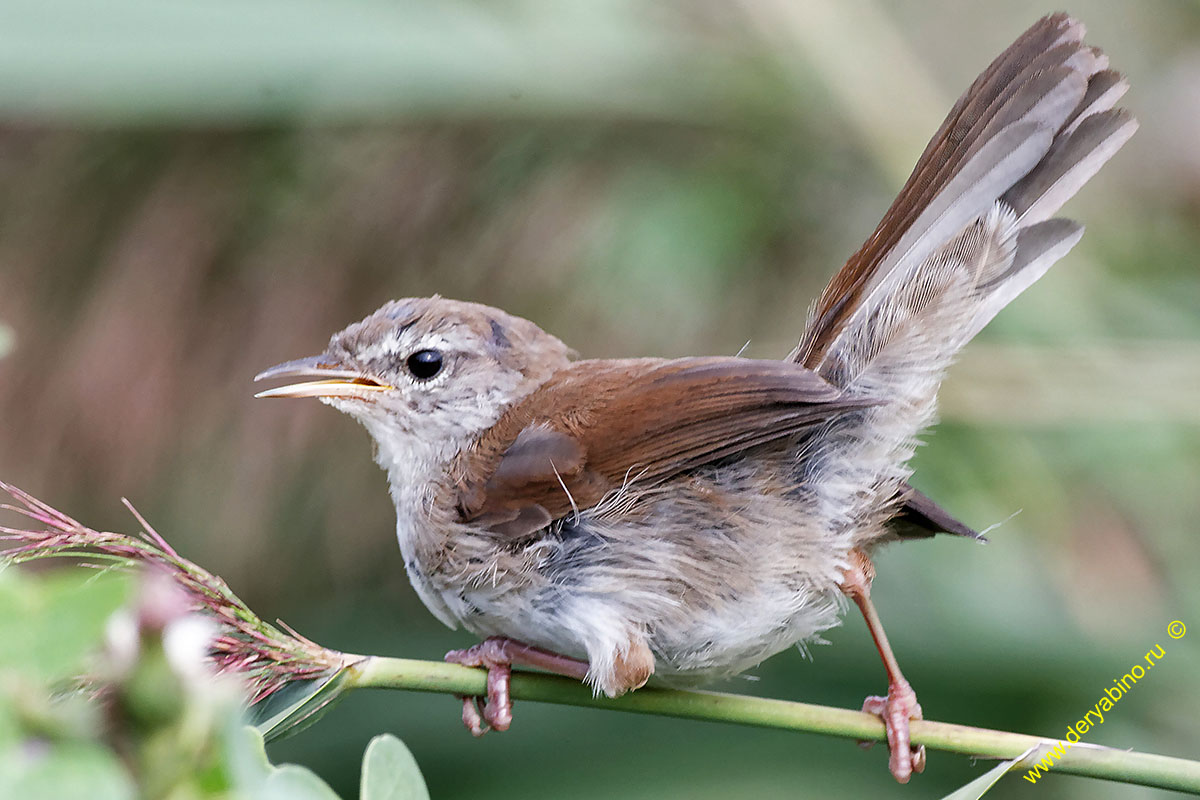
497,654
900,706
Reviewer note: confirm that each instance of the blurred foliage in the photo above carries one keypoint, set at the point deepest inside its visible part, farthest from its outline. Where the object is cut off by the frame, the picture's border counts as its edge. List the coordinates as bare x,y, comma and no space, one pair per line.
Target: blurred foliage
192,191
105,695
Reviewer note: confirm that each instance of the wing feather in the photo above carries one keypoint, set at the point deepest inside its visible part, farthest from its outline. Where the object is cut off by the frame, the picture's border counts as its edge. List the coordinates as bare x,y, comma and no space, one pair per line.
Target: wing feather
598,424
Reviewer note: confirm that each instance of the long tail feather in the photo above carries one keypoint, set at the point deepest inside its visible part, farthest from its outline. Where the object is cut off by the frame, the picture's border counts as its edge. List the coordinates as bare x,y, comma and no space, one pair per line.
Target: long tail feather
1028,133
971,229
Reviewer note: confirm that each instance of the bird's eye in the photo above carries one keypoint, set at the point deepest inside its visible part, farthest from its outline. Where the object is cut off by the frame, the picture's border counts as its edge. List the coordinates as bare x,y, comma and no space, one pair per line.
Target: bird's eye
424,364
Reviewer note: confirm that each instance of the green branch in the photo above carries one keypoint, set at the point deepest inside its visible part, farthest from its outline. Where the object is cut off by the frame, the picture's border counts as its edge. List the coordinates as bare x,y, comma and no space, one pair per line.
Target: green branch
377,672
297,679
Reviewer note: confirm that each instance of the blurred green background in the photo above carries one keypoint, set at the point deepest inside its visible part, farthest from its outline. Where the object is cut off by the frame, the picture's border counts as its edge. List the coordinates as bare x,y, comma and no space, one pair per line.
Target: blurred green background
193,191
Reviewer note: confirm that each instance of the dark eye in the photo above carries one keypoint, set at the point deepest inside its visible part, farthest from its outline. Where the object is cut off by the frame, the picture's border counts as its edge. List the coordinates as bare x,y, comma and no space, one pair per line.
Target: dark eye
424,364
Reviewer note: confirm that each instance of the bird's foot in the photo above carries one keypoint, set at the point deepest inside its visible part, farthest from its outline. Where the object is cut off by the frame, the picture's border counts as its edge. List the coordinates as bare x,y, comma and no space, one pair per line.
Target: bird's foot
896,710
493,712
497,654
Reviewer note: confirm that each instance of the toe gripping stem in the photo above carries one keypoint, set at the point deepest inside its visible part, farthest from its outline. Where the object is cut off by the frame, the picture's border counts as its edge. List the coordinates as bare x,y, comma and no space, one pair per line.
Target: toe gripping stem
497,654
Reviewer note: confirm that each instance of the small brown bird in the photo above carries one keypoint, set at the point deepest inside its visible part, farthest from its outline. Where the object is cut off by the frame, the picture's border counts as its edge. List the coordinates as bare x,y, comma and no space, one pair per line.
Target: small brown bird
614,520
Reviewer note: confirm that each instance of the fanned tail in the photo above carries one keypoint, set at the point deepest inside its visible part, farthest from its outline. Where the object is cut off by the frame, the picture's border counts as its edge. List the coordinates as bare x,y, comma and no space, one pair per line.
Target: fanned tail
971,229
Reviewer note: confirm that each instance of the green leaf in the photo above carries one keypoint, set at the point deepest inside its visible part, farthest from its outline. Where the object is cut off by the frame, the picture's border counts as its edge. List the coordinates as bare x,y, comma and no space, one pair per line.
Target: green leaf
978,787
292,782
71,769
10,727
389,772
246,755
48,626
304,702
256,777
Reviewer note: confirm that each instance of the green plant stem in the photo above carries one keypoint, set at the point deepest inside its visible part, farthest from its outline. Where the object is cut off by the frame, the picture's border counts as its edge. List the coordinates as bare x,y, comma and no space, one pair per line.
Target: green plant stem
1126,766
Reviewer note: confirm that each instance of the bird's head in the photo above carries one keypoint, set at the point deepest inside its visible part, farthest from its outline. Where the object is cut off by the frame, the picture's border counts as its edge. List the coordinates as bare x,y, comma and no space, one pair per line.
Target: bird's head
426,372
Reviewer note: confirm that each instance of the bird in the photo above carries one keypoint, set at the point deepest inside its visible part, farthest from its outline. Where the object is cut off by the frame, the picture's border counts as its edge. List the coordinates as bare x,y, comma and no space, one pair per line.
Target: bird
681,520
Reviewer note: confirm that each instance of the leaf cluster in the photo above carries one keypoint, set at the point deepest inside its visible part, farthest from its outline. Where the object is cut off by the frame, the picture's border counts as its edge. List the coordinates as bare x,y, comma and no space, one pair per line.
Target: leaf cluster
106,693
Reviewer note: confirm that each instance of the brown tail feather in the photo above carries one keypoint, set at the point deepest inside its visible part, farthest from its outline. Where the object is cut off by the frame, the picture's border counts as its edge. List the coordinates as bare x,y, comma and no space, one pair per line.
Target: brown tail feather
971,229
1047,65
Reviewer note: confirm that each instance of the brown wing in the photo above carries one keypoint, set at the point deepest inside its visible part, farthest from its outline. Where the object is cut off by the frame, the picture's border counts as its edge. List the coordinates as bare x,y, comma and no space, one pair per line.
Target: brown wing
600,423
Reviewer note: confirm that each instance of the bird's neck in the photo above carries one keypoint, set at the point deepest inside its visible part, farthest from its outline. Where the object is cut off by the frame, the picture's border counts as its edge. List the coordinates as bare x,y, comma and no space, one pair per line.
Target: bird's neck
415,467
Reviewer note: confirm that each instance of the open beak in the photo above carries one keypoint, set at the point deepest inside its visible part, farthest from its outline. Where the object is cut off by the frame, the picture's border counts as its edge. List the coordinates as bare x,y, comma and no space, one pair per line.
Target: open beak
332,380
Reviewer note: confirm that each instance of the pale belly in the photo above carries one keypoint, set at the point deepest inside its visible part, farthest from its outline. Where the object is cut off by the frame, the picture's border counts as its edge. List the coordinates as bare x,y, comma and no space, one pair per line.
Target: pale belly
710,588
709,601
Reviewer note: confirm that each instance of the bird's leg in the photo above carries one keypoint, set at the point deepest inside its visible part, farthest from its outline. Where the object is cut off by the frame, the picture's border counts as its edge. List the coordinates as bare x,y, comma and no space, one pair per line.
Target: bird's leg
900,705
497,654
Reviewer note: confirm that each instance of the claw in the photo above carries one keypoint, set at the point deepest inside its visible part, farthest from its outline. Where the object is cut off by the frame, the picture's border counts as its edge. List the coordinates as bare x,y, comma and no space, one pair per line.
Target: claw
896,710
497,654
493,712
472,717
